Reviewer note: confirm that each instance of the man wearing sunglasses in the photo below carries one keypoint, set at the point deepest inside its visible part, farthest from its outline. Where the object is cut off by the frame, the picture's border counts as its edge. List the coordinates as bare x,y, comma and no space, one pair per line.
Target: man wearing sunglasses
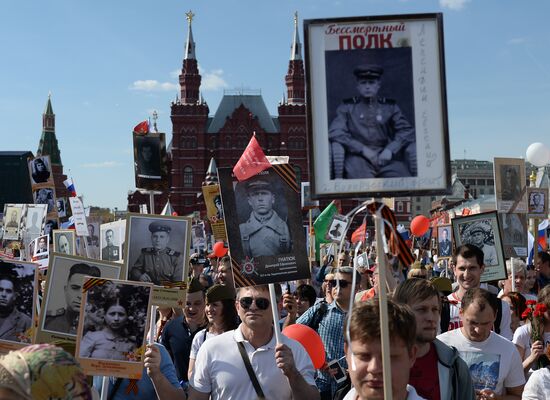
329,325
283,371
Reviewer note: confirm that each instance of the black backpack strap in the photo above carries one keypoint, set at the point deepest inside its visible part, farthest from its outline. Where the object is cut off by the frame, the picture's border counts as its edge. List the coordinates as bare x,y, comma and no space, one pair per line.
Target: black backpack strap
318,316
250,371
445,316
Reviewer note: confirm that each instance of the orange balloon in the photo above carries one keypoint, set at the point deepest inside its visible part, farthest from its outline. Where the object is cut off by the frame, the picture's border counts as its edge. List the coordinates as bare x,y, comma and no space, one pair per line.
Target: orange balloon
219,249
311,341
420,225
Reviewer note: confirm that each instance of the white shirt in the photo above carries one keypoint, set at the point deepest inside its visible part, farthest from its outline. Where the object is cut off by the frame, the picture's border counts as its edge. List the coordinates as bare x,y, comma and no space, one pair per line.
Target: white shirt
505,321
538,386
522,338
494,363
220,371
198,340
411,394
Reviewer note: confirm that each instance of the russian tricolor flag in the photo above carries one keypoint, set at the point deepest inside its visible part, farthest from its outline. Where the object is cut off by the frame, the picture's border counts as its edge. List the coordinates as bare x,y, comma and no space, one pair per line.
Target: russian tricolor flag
70,186
541,241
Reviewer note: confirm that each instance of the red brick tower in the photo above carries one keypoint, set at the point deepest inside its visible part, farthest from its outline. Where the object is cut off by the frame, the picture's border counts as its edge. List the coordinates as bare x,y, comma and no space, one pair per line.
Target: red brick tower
48,147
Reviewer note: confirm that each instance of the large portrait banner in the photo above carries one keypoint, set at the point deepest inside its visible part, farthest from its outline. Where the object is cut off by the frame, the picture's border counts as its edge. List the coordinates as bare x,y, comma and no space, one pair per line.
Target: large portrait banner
264,226
377,108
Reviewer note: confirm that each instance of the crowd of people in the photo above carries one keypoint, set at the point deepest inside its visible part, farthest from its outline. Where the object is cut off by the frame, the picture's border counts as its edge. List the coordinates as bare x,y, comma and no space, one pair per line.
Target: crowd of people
450,339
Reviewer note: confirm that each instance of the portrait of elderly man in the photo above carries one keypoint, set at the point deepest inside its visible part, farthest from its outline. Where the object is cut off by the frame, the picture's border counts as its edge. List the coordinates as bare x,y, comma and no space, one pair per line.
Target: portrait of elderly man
378,140
264,233
477,233
158,263
63,244
12,321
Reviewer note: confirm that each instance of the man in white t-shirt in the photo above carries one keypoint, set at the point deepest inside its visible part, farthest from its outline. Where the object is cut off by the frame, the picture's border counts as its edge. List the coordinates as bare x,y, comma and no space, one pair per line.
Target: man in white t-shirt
283,370
468,268
494,362
364,352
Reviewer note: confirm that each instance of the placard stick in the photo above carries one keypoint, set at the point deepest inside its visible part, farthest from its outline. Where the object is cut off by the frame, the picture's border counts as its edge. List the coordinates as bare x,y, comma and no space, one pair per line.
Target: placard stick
273,301
383,304
152,201
513,274
105,388
153,324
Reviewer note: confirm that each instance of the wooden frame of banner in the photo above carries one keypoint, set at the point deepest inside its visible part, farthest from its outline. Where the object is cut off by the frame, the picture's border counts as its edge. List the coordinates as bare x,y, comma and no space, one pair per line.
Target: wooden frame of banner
56,279
27,336
132,367
411,53
510,196
173,294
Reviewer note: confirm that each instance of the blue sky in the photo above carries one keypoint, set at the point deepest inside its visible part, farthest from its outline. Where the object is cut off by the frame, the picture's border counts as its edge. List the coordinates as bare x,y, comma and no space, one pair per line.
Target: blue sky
108,64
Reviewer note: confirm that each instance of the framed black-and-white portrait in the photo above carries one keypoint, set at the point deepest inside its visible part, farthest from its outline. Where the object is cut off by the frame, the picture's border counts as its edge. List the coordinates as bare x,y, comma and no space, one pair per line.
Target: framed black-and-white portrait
157,248
12,223
46,196
112,328
510,185
337,228
64,241
35,219
150,167
376,104
111,238
42,246
63,294
444,241
537,202
214,210
18,285
263,218
61,204
40,171
483,231
514,234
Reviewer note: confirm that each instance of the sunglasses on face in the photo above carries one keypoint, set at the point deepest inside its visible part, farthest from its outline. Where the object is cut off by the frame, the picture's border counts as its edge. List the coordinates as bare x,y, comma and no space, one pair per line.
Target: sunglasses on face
339,282
261,302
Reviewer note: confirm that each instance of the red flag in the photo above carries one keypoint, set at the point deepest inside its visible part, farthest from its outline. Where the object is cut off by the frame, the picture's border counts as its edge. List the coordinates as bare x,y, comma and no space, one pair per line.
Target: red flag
359,233
142,128
252,161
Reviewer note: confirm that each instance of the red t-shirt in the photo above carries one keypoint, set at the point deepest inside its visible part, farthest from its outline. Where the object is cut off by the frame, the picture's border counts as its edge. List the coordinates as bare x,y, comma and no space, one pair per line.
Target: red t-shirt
425,376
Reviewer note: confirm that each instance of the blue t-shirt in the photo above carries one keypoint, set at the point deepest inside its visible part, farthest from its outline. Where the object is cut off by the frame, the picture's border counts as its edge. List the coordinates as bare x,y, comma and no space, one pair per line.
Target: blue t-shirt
146,389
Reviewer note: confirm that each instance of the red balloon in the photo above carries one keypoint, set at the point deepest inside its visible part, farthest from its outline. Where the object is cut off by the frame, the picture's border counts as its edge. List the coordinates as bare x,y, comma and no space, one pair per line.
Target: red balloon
311,341
175,214
420,225
219,249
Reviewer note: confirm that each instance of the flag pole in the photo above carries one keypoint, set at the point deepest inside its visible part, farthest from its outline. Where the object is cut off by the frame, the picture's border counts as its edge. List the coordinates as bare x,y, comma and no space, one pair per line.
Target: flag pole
383,304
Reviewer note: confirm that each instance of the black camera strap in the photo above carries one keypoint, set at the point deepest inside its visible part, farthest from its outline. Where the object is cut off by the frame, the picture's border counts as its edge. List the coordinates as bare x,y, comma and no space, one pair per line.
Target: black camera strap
250,371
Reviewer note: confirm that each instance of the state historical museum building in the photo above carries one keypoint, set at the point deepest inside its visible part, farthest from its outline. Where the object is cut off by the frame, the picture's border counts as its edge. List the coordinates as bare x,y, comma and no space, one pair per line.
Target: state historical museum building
198,137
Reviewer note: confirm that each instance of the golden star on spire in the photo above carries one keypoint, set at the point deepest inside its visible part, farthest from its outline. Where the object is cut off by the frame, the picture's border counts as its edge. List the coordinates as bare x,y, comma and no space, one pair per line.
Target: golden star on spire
189,15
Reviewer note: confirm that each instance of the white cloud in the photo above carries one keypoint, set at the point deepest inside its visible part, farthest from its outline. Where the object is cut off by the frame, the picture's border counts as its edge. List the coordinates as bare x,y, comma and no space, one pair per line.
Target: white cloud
453,4
152,85
518,40
212,80
175,73
103,164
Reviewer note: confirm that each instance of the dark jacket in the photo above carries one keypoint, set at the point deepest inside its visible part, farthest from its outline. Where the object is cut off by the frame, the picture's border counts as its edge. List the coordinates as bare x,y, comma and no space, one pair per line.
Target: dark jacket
454,374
